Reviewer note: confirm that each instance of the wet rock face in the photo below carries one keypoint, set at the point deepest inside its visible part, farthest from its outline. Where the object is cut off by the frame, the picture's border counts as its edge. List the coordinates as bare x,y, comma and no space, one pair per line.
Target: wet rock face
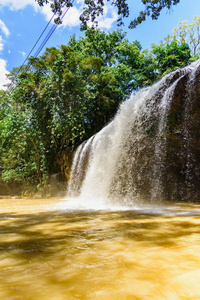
182,164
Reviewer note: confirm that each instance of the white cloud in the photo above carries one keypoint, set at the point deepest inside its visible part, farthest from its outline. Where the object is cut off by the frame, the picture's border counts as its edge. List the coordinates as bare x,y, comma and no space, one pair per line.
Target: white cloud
106,21
46,10
4,28
3,70
22,53
71,18
1,43
3,79
108,18
5,31
19,4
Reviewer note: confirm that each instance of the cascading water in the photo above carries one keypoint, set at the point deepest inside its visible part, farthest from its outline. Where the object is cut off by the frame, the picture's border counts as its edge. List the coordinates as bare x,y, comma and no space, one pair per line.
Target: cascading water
146,153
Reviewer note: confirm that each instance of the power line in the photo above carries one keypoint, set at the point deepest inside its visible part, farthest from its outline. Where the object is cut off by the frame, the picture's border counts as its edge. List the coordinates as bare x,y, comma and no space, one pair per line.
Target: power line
49,34
51,31
36,42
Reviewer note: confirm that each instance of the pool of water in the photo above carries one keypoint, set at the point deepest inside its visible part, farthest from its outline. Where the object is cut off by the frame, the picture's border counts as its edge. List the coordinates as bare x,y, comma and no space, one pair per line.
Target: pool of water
50,252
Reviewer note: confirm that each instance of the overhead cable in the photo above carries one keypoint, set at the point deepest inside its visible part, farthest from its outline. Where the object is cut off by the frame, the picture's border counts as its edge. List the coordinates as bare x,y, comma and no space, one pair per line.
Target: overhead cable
51,31
49,34
37,42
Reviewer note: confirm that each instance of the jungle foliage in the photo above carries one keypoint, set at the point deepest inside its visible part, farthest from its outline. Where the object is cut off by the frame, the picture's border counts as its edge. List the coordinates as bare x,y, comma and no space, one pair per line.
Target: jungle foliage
63,97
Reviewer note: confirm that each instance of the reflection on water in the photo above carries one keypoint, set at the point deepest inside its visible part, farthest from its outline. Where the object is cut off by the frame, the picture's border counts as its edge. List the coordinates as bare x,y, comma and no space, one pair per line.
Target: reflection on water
46,253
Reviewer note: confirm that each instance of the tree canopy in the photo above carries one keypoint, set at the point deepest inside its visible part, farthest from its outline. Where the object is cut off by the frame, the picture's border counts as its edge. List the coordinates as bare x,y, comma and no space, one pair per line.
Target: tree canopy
189,33
94,8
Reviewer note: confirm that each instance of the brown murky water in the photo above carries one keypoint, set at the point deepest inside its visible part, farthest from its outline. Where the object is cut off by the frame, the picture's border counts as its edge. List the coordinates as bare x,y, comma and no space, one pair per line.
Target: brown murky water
52,254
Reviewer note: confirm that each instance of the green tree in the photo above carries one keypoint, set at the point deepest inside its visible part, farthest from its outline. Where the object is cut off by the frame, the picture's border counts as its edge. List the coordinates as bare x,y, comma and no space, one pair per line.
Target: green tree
121,59
170,57
95,8
160,60
65,96
187,33
147,73
17,158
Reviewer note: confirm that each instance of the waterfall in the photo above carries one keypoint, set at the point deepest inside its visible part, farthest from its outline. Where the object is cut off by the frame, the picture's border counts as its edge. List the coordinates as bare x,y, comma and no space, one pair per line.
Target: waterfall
145,152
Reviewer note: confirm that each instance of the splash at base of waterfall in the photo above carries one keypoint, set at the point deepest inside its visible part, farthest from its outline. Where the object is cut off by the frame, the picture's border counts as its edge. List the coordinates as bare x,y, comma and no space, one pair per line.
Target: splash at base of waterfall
90,203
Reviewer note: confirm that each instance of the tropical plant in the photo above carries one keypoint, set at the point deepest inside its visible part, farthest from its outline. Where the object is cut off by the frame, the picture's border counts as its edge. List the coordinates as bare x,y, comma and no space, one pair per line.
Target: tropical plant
189,33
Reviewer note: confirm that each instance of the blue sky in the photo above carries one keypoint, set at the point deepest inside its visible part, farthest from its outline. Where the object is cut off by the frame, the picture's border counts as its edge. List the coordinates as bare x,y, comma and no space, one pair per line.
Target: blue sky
22,22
